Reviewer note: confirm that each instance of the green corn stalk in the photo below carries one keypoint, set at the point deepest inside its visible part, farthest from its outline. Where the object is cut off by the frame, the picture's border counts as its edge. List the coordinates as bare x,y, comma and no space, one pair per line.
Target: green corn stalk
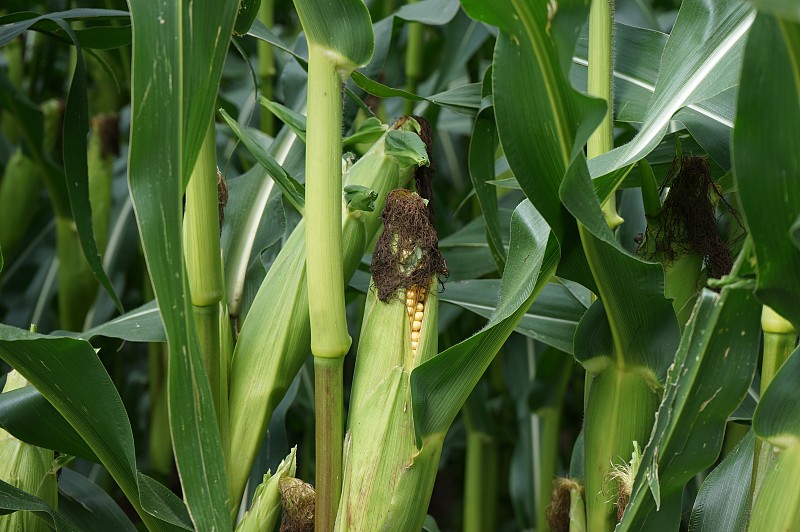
275,336
28,468
780,339
266,508
204,269
19,191
777,506
387,479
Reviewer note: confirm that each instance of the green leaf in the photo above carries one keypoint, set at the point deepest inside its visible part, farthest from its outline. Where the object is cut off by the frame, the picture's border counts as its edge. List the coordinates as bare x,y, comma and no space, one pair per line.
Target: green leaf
27,415
248,11
766,168
178,51
13,499
71,377
788,9
723,502
360,198
293,191
712,371
632,324
369,131
86,504
290,117
637,54
341,28
551,319
531,60
441,385
700,59
482,147
465,99
139,325
429,12
76,170
16,23
407,148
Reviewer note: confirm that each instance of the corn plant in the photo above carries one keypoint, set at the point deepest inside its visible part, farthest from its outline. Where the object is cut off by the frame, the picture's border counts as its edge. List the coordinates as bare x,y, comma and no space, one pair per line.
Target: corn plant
247,282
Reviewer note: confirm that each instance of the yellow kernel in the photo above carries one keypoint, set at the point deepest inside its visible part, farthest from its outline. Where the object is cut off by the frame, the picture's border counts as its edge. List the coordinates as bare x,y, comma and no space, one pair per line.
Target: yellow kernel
418,316
417,325
414,337
409,302
414,345
420,307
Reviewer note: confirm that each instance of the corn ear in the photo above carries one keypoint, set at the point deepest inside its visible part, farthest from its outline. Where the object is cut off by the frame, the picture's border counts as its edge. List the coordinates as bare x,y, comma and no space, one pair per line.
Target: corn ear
275,338
28,468
387,479
266,508
19,191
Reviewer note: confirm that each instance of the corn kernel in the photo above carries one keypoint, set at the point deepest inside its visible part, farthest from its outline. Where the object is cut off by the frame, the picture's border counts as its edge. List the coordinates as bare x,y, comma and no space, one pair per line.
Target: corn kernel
418,316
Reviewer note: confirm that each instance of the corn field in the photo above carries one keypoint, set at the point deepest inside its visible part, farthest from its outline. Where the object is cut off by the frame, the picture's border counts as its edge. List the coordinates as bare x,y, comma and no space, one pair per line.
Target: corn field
376,265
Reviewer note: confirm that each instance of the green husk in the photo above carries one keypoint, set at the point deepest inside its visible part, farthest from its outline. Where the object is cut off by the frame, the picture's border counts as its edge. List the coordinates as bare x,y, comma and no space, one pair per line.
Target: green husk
19,192
388,480
275,337
28,468
266,508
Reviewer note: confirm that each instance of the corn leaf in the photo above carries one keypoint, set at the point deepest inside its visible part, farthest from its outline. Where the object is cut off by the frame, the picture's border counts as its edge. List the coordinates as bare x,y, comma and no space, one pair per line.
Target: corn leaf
482,147
173,94
532,57
700,59
87,505
766,167
29,417
723,502
71,377
13,499
76,170
293,191
637,54
441,385
343,28
551,319
712,371
788,9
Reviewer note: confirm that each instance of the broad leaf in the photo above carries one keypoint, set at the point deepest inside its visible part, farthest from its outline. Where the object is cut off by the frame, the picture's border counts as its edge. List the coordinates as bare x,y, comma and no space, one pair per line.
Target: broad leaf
71,377
178,51
766,164
700,60
531,64
441,385
709,378
13,499
86,504
723,502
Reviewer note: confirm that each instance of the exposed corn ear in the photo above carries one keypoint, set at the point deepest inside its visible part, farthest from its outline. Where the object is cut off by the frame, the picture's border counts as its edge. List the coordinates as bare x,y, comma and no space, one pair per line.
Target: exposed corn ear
266,508
387,479
28,468
275,337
